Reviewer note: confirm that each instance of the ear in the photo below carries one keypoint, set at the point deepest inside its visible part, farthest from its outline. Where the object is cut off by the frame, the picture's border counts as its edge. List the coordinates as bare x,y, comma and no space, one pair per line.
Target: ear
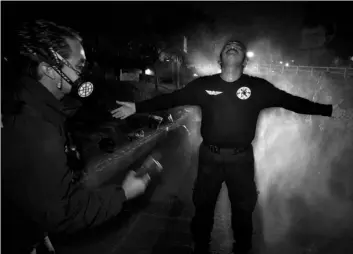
245,62
47,70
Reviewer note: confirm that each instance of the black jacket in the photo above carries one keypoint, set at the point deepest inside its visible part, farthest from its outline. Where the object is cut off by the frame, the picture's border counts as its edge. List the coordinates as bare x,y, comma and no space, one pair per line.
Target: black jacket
37,190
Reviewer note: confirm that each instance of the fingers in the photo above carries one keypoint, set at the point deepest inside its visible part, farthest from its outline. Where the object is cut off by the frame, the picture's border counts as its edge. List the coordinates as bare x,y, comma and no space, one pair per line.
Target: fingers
115,110
132,173
122,112
123,103
119,115
146,178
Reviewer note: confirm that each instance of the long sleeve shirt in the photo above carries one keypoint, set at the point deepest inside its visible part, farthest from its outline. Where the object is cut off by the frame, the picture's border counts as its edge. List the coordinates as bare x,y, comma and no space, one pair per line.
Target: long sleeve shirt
230,110
36,177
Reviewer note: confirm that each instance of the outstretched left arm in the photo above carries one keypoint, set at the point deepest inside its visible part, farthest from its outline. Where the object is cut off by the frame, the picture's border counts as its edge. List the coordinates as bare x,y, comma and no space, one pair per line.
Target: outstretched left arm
340,113
275,97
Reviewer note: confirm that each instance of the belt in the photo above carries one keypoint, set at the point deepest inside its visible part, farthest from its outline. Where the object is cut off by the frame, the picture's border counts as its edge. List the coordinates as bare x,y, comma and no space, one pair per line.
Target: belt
236,150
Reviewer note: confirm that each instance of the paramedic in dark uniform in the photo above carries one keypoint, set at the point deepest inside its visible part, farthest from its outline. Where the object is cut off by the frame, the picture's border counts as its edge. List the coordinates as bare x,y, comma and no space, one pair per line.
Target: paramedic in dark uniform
230,103
39,193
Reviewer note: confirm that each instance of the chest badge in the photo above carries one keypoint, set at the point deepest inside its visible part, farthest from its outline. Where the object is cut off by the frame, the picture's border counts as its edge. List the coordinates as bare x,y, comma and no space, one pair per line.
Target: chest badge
244,93
213,92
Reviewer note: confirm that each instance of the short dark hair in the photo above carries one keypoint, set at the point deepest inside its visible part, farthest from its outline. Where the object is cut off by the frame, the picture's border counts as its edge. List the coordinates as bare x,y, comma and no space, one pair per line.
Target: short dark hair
37,38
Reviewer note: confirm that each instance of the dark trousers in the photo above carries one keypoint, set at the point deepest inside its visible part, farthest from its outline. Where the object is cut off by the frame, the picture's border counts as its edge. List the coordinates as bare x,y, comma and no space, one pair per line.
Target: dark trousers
237,171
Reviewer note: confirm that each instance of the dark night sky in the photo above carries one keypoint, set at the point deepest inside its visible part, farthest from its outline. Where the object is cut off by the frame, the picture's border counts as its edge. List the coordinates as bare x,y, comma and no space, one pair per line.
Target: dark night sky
121,21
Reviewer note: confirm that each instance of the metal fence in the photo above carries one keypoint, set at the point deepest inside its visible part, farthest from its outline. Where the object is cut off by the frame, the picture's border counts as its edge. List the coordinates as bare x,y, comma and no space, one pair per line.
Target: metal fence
310,70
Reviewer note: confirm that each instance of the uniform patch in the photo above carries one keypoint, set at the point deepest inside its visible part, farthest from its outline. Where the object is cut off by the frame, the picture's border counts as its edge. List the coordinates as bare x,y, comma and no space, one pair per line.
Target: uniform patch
213,92
244,93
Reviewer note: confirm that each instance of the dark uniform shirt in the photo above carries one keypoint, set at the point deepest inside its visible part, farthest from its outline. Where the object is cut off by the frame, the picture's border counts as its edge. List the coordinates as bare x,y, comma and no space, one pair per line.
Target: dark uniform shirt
230,110
36,178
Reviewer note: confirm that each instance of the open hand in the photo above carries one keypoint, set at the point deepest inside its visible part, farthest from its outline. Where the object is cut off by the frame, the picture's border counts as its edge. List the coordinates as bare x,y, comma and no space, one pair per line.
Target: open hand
340,113
127,109
134,186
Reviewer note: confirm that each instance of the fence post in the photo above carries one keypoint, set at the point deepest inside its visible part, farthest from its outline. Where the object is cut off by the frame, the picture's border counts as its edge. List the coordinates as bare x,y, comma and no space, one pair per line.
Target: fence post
297,70
345,73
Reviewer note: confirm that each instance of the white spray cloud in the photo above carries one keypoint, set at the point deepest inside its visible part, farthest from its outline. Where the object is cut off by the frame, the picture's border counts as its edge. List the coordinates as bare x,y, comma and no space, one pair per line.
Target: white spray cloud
298,160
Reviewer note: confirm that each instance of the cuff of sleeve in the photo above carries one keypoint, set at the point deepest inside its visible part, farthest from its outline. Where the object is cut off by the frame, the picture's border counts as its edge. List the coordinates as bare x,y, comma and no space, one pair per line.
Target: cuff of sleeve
138,107
330,110
121,194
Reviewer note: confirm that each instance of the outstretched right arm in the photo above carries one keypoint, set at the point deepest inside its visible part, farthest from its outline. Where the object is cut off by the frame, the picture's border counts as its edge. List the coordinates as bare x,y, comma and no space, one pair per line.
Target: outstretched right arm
188,95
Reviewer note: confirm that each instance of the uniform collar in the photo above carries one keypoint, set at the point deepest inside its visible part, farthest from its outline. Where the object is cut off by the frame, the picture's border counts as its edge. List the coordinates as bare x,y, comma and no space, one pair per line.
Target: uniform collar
240,79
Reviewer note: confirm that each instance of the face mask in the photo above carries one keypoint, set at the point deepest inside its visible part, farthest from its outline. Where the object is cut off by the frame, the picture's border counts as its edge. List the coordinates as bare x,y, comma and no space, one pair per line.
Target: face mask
81,87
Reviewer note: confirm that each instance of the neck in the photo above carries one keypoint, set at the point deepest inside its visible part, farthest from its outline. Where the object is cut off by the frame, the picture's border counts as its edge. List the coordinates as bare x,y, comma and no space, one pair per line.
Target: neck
52,89
231,73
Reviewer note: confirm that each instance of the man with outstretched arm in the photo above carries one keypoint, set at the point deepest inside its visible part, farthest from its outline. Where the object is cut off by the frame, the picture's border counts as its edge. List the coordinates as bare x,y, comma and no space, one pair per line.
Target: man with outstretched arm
230,103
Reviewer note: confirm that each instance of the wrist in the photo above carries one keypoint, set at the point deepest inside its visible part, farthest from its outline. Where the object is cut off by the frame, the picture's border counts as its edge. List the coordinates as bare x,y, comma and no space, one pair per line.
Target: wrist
137,107
123,194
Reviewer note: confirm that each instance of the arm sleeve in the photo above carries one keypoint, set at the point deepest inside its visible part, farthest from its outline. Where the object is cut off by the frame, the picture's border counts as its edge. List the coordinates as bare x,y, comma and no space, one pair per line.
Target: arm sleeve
275,97
185,96
68,207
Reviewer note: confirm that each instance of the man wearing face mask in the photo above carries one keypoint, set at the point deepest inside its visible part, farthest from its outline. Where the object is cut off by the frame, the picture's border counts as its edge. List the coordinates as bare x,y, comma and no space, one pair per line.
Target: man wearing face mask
39,193
230,103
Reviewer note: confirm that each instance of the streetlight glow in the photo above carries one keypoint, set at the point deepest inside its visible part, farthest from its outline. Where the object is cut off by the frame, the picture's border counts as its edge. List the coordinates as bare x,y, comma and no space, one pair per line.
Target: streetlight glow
250,54
148,72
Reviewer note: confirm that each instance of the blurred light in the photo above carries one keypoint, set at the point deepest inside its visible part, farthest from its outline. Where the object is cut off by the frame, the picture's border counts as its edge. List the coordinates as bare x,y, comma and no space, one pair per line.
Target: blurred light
351,58
281,62
250,54
206,69
287,64
148,72
185,45
292,61
195,75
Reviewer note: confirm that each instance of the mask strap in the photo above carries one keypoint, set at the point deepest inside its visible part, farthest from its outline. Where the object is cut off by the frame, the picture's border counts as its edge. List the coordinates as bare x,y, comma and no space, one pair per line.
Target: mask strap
58,59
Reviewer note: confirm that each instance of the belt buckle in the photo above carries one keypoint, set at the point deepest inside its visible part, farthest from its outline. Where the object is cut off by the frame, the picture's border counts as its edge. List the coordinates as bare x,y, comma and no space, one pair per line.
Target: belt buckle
214,149
218,150
238,150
